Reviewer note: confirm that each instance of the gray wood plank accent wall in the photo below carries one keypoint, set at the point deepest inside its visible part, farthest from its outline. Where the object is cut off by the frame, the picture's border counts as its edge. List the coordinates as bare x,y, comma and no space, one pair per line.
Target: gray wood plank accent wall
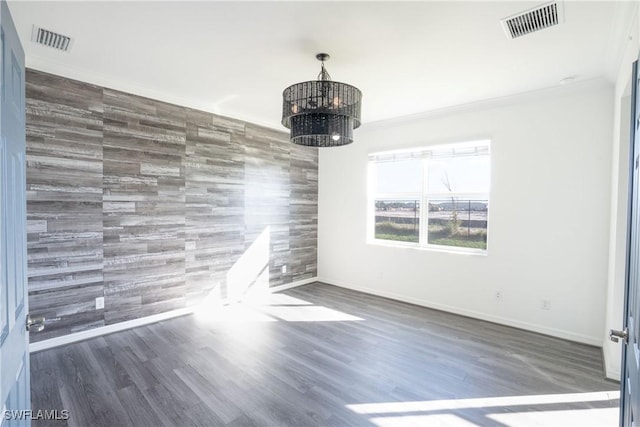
155,206
64,202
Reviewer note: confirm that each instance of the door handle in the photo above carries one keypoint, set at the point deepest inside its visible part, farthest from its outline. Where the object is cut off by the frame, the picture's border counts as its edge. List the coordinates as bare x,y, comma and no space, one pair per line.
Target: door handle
35,324
616,335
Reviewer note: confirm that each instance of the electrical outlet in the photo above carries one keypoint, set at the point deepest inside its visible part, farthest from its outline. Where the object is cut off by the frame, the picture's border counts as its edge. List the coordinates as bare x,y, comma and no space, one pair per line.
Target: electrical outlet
498,296
99,303
284,269
546,304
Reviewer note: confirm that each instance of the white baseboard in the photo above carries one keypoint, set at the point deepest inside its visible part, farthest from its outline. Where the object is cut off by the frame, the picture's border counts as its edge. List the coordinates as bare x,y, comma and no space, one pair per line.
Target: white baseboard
121,326
612,374
108,329
559,333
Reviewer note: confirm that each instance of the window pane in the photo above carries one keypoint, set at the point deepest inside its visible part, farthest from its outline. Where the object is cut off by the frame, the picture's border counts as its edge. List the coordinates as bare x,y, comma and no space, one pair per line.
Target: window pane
469,174
457,222
403,176
398,220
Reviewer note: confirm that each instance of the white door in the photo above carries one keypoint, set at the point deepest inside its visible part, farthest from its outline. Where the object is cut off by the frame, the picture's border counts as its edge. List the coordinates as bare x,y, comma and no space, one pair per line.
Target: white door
630,393
15,396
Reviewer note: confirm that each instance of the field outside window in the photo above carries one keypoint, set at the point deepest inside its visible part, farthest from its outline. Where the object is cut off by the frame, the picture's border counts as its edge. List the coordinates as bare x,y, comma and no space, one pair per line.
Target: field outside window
432,197
458,222
398,220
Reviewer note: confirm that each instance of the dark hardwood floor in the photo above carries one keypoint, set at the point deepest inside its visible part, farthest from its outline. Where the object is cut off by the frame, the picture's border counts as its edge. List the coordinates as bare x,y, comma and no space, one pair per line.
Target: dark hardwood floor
319,355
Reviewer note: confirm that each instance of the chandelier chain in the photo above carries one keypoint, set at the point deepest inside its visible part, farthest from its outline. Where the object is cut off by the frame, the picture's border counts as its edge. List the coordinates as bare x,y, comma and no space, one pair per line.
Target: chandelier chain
324,74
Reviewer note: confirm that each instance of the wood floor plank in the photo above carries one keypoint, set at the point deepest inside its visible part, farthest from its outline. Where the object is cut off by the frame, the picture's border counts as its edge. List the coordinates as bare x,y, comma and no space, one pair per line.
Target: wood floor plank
319,355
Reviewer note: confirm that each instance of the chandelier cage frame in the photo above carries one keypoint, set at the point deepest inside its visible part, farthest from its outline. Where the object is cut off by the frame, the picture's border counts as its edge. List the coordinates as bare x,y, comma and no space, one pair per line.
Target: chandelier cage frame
323,112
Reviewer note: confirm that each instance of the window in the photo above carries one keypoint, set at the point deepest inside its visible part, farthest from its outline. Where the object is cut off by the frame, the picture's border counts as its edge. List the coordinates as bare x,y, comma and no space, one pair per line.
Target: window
431,197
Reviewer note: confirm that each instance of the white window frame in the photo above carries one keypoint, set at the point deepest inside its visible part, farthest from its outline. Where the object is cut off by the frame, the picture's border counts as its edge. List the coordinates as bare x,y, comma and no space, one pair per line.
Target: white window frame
424,197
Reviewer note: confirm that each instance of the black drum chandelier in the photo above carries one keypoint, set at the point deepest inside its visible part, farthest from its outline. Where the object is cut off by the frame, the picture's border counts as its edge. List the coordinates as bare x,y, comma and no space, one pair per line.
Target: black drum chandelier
321,113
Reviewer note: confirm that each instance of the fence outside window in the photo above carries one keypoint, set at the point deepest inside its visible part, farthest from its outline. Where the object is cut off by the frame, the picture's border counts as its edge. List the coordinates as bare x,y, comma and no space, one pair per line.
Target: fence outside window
432,197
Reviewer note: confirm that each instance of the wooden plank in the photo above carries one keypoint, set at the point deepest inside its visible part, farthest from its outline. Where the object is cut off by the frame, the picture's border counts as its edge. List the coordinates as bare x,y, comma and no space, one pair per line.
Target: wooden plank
64,196
154,133
155,206
215,205
407,364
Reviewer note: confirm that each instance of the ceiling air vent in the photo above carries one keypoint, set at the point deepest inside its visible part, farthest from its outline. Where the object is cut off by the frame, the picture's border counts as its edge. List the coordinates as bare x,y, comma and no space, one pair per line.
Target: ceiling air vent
51,39
536,19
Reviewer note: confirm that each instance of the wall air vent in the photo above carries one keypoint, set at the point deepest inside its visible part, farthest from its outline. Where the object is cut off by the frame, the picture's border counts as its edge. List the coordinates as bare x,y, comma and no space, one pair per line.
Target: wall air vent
51,39
536,19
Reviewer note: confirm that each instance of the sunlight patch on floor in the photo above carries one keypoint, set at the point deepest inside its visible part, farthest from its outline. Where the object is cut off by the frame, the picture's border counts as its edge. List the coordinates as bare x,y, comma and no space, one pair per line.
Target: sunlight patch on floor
434,420
269,308
441,412
308,313
233,313
246,312
595,417
482,402
281,299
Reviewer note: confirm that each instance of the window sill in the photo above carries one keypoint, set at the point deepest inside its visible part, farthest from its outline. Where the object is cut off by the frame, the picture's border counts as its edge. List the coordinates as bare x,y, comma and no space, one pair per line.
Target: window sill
429,248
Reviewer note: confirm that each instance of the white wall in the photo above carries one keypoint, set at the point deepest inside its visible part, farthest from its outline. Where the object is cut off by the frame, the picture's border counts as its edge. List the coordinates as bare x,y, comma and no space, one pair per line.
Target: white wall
549,213
619,196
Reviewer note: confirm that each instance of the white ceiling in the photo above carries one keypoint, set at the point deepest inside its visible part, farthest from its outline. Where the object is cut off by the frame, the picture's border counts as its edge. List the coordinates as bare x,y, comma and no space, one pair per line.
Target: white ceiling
235,58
